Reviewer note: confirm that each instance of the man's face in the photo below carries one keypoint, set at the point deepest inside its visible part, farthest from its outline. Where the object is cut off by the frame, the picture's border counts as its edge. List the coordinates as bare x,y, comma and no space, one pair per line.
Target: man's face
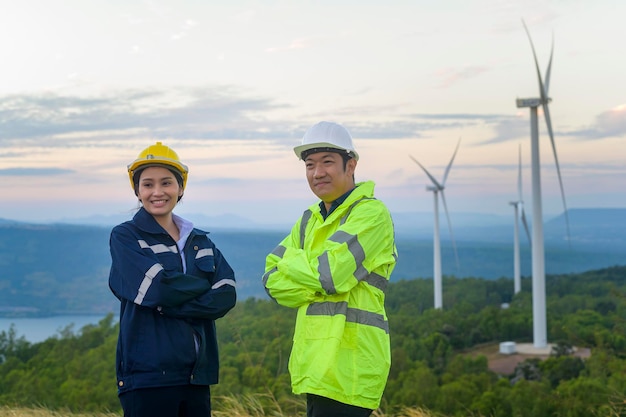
326,176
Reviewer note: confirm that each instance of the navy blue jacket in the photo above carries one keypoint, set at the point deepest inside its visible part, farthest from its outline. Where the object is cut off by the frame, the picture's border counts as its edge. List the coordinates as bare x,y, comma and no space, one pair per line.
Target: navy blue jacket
162,308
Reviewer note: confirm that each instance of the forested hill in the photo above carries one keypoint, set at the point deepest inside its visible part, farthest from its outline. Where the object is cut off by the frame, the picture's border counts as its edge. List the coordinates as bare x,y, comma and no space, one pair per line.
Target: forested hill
444,360
60,268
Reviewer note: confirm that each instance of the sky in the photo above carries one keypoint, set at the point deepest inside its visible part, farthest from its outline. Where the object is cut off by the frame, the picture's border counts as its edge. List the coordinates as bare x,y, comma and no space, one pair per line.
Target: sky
232,87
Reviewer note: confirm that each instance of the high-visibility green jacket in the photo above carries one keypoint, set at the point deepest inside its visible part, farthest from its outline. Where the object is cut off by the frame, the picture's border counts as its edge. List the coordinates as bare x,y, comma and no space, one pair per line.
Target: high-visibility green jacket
335,272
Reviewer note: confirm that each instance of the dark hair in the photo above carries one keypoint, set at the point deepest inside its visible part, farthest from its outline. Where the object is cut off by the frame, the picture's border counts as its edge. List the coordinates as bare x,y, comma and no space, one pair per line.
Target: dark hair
345,155
137,175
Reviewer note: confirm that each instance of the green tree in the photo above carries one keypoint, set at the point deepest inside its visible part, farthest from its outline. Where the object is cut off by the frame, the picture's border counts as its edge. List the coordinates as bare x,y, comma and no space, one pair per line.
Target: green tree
531,399
580,397
561,368
494,402
415,387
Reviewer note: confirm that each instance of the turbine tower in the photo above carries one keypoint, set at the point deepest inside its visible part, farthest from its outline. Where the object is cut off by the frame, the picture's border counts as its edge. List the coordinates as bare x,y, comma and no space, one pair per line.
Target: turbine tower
518,207
538,254
437,188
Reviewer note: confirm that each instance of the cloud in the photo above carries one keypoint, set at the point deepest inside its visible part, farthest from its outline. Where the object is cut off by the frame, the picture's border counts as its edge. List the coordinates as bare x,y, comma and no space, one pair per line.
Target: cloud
608,124
505,126
409,126
219,113
420,125
396,129
28,172
225,113
508,128
300,43
460,116
451,76
184,30
199,113
13,154
244,17
611,123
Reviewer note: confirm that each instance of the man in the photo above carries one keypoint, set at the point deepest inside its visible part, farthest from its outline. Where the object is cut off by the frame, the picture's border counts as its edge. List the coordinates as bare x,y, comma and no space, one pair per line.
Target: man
334,267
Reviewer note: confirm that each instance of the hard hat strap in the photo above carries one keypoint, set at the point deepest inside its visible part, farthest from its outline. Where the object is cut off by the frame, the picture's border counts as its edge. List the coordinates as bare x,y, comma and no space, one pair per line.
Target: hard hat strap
308,152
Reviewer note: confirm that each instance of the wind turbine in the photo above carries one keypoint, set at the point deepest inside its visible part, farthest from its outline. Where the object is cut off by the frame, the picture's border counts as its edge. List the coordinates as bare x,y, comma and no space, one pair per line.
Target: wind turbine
538,254
437,188
518,206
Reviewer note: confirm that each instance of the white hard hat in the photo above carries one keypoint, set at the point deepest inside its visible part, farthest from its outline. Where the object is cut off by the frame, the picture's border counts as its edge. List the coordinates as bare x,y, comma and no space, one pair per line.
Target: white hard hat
327,136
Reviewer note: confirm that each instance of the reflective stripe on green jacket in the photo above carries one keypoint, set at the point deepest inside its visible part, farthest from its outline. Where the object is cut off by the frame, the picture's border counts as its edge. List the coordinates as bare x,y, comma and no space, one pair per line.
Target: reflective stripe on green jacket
335,272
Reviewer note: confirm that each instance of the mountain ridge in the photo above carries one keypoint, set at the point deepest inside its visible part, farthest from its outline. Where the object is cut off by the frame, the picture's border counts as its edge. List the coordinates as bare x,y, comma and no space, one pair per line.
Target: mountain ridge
404,221
58,268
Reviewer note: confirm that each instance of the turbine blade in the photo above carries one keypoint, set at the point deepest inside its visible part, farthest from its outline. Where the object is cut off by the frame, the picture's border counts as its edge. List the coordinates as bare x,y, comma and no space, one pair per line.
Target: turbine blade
439,186
519,174
546,84
542,91
445,176
525,223
546,113
445,208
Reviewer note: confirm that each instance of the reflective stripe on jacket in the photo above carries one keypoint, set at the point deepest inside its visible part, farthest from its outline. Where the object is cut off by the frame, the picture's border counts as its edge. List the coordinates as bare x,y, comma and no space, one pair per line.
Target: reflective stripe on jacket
335,272
165,312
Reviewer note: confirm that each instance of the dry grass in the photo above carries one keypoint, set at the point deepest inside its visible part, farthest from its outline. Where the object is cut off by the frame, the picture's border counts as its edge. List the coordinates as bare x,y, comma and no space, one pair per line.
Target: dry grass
408,412
247,406
254,405
262,405
43,412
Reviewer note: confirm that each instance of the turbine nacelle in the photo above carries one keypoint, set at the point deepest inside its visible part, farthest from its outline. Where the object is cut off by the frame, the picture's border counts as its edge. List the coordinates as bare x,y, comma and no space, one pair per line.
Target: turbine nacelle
531,102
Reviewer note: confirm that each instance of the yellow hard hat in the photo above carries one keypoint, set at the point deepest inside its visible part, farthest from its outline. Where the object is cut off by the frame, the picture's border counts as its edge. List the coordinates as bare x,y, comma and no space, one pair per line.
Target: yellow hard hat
158,155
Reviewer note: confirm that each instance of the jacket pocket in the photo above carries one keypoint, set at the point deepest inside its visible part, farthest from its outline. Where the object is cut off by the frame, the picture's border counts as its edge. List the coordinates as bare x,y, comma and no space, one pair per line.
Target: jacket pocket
205,263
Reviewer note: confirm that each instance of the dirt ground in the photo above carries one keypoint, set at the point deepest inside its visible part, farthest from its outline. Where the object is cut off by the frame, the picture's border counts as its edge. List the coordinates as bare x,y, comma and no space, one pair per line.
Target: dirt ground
504,364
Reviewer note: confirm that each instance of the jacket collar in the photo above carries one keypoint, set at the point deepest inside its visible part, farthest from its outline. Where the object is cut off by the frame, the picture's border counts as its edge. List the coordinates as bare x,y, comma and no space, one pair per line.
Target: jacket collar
361,190
146,222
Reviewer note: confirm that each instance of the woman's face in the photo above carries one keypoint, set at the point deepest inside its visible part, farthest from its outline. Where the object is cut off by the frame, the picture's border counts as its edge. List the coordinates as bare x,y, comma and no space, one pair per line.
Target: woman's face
158,191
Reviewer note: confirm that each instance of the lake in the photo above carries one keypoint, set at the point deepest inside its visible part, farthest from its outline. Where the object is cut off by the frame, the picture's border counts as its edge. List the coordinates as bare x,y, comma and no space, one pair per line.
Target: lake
37,330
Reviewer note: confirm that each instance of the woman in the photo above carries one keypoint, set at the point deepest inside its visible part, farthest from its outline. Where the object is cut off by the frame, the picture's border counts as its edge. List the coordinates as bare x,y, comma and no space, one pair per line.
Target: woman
172,283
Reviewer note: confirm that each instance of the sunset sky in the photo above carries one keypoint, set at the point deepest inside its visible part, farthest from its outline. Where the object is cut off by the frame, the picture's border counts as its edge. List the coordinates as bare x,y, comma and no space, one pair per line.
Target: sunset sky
232,87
